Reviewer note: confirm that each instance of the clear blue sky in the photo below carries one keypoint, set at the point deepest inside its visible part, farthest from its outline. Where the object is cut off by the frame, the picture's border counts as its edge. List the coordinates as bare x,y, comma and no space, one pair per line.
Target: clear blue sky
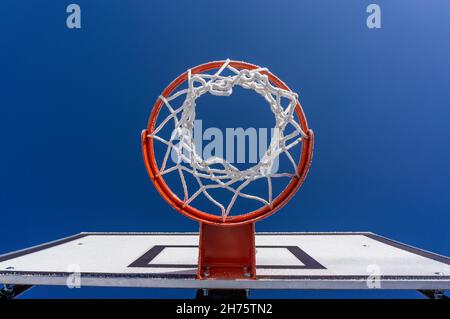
73,103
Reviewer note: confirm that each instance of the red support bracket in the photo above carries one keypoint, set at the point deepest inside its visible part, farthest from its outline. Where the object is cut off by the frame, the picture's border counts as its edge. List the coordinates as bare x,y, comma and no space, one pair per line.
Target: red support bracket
227,252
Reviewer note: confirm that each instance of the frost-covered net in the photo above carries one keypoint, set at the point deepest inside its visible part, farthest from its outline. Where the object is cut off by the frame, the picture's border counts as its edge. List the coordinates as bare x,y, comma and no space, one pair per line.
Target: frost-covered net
217,171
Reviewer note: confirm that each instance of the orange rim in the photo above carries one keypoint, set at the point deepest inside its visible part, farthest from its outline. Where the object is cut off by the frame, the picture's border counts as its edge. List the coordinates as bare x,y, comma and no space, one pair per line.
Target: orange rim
196,214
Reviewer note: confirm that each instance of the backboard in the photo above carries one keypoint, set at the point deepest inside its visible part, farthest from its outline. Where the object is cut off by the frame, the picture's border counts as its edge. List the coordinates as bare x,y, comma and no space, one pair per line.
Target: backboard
283,261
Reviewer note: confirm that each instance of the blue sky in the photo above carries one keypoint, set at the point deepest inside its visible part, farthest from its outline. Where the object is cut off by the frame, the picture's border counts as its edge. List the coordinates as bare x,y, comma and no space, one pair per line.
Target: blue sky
73,103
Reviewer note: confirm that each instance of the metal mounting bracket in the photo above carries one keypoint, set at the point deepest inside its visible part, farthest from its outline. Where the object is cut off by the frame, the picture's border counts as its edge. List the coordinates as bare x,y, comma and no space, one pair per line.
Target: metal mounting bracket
434,294
12,291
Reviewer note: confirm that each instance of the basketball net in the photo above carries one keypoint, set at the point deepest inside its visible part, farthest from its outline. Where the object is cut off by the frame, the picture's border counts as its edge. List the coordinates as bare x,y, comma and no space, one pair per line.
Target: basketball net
216,170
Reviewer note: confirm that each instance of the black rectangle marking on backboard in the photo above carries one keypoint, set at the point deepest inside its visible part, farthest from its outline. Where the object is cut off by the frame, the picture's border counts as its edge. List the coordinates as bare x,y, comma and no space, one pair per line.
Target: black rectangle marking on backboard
307,261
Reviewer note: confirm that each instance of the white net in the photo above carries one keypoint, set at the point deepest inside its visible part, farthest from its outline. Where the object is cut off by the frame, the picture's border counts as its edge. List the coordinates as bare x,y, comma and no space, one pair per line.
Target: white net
215,170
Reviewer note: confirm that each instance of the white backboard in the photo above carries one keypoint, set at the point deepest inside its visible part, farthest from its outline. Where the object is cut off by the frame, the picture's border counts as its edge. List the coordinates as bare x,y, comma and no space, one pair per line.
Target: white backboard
284,261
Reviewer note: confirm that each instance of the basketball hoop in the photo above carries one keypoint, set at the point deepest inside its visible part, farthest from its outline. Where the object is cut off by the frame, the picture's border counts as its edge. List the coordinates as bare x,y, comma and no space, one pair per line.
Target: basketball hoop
227,176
